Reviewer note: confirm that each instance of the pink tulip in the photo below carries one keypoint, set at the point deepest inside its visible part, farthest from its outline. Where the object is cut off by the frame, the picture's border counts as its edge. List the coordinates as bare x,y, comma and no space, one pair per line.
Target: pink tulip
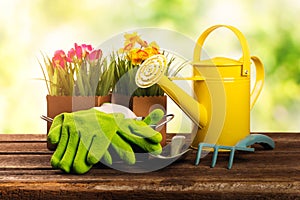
95,55
78,51
71,55
87,48
76,55
59,59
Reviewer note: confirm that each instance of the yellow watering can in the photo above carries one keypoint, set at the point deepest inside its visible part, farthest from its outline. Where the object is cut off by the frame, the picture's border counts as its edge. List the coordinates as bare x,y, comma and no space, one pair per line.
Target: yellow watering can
223,99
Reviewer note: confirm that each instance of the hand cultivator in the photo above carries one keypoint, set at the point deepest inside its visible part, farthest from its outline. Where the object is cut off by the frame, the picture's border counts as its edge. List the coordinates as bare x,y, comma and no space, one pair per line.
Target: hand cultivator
243,145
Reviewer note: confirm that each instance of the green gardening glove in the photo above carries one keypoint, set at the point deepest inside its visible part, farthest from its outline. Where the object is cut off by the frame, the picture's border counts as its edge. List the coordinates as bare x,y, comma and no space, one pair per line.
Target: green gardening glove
82,137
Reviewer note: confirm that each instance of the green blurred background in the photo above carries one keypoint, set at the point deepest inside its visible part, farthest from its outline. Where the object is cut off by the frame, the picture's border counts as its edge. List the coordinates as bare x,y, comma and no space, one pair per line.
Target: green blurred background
28,27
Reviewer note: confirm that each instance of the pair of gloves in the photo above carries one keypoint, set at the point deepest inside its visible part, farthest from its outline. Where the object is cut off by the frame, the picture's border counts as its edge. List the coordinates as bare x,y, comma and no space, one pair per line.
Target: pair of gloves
84,138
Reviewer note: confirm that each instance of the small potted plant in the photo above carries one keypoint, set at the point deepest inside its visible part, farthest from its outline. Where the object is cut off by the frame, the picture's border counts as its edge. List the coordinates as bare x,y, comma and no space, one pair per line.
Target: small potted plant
76,80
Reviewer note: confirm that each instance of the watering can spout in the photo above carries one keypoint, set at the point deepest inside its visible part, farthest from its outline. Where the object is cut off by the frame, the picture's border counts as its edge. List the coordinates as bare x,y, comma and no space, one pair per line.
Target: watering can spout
152,72
196,111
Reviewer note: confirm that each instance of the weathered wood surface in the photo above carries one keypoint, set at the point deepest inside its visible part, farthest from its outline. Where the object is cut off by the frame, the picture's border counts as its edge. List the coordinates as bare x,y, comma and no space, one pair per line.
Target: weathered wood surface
25,173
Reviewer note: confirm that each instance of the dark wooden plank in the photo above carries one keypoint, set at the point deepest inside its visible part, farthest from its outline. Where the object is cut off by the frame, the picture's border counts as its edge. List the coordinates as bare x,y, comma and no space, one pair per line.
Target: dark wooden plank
23,147
266,176
156,189
24,161
288,136
22,137
243,162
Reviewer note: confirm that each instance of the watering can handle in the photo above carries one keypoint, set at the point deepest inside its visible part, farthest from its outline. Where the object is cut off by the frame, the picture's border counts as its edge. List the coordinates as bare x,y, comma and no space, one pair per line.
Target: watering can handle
246,55
259,82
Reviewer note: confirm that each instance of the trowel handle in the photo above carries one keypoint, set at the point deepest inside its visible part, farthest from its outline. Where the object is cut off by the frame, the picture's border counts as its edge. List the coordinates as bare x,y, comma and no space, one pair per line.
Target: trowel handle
259,81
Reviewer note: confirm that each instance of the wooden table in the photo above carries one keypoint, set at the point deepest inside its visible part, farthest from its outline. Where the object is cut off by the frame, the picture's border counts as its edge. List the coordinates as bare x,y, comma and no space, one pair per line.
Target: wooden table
25,173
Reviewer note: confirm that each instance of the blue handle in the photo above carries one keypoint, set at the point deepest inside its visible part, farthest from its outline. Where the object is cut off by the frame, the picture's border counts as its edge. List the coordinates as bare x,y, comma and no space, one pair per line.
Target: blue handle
261,139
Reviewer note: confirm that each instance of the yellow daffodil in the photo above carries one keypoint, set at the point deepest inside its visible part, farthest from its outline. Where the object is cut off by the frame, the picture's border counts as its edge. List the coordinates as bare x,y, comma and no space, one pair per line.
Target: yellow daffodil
138,55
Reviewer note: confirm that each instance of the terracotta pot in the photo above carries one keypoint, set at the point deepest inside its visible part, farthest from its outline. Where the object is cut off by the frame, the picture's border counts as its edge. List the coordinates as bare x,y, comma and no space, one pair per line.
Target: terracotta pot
60,104
142,106
103,99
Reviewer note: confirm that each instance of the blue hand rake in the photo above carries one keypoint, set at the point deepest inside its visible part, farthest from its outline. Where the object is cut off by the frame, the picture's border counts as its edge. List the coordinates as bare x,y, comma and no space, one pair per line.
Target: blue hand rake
243,145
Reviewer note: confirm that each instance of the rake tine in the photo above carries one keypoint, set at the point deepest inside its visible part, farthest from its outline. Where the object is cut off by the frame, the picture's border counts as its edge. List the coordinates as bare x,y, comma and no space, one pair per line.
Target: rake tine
215,156
231,156
199,153
200,148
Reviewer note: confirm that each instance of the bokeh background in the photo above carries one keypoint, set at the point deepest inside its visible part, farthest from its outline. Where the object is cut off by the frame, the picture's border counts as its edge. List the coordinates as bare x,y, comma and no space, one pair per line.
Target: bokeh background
29,27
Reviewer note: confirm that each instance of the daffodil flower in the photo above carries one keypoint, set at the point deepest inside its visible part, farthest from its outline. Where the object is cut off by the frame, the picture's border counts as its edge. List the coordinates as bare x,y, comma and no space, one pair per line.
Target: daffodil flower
131,40
138,55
